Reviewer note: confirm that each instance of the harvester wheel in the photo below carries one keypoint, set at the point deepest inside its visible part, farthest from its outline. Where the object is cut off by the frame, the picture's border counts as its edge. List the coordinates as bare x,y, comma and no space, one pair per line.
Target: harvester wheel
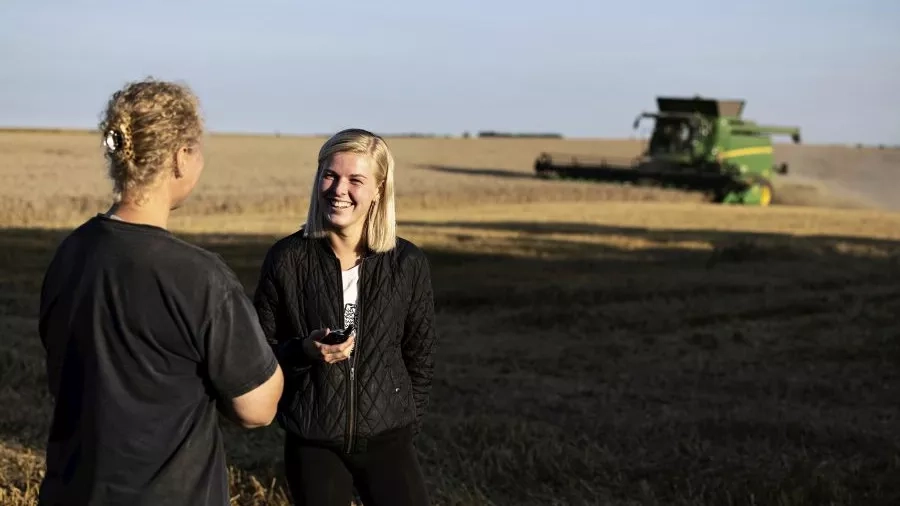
765,191
765,194
761,192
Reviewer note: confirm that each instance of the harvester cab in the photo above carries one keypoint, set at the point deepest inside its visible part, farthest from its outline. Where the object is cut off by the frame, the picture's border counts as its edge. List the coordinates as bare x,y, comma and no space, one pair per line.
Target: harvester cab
697,144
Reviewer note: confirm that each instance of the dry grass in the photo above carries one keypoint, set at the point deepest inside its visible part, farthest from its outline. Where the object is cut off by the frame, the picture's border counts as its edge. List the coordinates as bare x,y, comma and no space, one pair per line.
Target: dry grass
56,179
595,350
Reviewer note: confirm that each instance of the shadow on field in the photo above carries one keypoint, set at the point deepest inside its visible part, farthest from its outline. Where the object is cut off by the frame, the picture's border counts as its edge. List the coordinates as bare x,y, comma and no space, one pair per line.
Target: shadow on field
726,245
503,173
641,369
653,235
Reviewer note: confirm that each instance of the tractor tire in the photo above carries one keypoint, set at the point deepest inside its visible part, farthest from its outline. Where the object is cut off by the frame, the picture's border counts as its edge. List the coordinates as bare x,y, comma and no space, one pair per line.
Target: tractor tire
758,192
766,193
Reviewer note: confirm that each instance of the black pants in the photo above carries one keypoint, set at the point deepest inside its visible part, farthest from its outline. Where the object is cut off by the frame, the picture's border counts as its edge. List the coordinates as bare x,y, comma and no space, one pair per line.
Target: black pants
387,473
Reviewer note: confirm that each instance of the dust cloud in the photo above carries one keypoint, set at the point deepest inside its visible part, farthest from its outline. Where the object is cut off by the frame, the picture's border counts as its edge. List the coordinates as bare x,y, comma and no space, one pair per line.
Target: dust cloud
838,176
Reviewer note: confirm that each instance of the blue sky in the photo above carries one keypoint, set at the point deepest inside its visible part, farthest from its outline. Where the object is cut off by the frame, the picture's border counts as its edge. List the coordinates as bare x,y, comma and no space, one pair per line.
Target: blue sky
582,68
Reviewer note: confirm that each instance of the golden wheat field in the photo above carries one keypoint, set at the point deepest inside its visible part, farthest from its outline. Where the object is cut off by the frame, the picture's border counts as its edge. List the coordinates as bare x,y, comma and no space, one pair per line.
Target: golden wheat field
598,344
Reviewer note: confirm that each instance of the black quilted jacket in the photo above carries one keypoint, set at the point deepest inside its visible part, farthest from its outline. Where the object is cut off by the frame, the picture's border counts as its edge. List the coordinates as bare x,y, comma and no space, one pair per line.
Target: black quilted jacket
386,382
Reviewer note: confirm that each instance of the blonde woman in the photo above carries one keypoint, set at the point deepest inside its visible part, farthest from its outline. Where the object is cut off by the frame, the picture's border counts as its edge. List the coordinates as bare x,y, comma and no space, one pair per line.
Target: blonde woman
147,336
352,405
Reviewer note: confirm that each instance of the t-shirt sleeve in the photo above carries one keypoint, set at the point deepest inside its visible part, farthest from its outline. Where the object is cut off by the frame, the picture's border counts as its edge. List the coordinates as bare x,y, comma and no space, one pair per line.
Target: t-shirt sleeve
237,356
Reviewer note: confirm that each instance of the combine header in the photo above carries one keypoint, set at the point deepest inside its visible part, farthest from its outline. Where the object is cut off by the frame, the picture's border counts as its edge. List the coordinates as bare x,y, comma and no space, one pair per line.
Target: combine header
697,144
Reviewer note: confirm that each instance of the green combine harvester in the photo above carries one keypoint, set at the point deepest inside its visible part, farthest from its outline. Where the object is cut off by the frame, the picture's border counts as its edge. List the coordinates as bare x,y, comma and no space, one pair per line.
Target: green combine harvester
697,144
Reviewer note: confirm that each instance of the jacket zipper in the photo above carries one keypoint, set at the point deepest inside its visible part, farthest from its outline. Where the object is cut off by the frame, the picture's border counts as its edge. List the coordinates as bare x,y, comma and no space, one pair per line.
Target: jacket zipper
351,363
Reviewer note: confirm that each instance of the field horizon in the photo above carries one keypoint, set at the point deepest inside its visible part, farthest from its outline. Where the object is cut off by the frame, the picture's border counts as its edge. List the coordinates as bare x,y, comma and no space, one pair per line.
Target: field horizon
412,134
598,344
473,134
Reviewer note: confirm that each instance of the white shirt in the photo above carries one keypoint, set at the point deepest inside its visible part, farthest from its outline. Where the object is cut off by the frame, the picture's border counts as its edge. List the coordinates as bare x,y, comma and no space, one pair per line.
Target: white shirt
350,282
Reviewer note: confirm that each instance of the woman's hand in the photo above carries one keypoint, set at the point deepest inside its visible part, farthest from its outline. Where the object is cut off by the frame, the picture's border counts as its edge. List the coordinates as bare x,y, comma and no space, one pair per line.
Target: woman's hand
328,353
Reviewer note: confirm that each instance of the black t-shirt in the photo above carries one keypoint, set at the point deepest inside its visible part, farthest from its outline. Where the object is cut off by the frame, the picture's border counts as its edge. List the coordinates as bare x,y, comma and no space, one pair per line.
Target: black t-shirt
145,334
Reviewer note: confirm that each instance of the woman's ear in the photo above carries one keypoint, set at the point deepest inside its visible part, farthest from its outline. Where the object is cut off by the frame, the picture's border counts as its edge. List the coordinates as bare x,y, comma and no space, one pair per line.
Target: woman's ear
180,161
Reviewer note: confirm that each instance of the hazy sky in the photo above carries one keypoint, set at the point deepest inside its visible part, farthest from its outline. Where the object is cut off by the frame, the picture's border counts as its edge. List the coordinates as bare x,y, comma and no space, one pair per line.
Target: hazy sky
582,68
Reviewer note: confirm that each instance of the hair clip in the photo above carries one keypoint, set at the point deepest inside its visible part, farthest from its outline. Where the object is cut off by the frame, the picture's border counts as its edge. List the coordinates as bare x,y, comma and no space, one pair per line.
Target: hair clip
113,141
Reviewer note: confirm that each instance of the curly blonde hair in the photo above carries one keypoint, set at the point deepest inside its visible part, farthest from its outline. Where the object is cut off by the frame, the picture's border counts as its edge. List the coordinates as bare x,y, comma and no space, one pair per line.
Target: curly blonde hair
380,232
143,126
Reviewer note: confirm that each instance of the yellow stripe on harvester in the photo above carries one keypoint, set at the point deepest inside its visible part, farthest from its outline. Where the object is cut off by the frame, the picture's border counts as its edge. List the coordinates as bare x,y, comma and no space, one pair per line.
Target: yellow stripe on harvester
759,150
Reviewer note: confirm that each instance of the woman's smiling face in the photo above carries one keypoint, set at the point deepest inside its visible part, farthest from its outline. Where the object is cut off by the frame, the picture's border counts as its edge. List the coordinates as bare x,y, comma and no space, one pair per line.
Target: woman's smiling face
346,192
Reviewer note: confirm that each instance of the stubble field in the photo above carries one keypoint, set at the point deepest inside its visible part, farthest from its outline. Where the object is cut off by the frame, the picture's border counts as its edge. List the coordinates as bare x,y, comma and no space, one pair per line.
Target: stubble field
598,344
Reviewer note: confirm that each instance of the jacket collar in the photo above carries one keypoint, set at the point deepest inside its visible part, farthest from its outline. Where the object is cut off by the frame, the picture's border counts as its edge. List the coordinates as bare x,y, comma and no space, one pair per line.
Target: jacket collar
325,247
